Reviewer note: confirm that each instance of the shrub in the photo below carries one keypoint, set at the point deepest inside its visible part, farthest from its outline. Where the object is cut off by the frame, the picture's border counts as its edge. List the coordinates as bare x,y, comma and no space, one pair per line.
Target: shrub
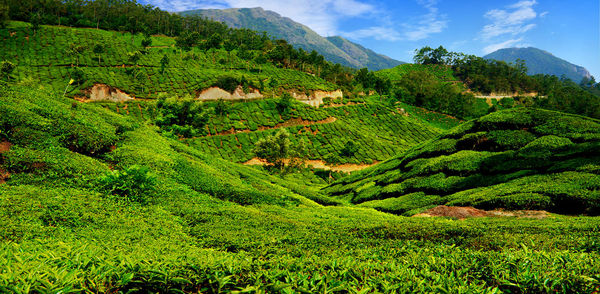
350,148
134,183
274,149
183,117
284,103
227,83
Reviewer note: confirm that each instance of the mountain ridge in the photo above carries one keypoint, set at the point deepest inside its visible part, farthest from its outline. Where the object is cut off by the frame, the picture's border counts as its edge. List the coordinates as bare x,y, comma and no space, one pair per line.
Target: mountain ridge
335,49
540,61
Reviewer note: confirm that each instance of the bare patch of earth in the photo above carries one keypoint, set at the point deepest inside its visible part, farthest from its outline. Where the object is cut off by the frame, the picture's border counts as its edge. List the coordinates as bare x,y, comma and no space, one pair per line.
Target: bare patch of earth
468,212
319,164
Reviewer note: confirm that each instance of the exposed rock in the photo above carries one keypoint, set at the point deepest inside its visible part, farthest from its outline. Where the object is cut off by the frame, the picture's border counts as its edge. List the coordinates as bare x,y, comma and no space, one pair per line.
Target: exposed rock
102,92
316,98
215,93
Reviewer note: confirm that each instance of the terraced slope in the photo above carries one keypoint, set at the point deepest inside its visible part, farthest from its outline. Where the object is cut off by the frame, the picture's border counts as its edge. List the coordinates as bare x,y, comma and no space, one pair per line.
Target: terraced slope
54,141
513,159
379,131
47,56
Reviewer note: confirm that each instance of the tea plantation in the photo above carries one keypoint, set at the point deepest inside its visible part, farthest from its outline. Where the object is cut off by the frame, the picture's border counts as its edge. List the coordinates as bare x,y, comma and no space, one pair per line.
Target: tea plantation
137,197
52,55
514,159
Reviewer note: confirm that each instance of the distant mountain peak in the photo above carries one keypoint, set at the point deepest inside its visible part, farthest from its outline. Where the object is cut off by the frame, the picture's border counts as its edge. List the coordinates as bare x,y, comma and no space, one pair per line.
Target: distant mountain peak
540,61
335,48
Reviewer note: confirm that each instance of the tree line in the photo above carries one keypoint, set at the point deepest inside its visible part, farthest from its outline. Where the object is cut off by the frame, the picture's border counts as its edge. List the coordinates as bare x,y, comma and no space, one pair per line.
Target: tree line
492,76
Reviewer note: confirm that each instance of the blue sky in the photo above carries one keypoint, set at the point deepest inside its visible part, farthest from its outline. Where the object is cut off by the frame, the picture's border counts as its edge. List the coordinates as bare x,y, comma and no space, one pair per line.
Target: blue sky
568,29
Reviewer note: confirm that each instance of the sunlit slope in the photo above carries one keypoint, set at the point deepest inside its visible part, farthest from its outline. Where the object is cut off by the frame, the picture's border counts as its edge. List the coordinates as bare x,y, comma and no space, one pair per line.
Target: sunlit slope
514,159
53,53
55,141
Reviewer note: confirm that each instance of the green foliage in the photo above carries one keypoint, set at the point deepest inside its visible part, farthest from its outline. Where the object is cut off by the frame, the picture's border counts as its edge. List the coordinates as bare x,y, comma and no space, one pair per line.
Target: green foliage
227,83
6,68
512,159
274,149
221,107
78,76
284,103
135,184
183,117
213,226
350,148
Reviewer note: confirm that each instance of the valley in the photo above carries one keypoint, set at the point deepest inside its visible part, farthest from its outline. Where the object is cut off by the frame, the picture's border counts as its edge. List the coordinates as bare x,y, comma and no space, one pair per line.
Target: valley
143,151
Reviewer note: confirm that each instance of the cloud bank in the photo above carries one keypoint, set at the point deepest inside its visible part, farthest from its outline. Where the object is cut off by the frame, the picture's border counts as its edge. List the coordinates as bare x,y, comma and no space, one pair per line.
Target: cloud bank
508,26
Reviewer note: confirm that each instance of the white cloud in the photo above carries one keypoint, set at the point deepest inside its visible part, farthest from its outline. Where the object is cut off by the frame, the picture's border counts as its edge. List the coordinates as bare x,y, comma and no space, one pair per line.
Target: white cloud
320,15
506,44
377,33
511,22
419,28
431,23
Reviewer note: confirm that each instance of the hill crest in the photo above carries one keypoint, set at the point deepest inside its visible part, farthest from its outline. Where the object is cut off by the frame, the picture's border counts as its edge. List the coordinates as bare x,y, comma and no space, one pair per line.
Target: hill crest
335,49
539,61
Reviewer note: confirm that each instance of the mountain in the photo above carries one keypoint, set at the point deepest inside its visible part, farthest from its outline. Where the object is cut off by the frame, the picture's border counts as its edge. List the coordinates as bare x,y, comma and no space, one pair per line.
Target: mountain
334,49
541,62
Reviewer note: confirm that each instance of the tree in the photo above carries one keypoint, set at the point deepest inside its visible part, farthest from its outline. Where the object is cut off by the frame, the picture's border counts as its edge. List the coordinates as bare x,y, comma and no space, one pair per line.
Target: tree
428,55
184,117
134,57
284,103
146,42
3,15
350,148
6,68
274,149
76,50
78,76
187,40
164,62
98,49
221,107
36,21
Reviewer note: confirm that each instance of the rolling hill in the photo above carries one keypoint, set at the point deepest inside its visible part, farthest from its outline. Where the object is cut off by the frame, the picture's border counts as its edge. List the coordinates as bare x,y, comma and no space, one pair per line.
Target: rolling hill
47,55
148,195
541,62
335,49
518,158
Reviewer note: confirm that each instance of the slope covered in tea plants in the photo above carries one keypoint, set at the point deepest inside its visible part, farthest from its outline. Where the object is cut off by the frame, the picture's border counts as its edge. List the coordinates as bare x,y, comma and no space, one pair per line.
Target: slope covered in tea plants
513,159
54,55
55,141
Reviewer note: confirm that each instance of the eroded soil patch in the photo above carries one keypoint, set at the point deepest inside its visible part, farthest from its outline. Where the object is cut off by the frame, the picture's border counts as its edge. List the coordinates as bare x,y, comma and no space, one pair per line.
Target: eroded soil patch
468,212
290,123
319,164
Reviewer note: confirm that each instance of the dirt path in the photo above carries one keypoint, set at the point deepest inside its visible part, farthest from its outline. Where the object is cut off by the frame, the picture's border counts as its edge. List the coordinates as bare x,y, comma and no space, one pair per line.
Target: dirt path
319,164
290,123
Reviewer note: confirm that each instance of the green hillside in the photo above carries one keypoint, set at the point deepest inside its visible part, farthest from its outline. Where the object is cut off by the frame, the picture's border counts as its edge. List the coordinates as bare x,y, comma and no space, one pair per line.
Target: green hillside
47,55
442,73
172,191
101,202
334,49
541,62
513,159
